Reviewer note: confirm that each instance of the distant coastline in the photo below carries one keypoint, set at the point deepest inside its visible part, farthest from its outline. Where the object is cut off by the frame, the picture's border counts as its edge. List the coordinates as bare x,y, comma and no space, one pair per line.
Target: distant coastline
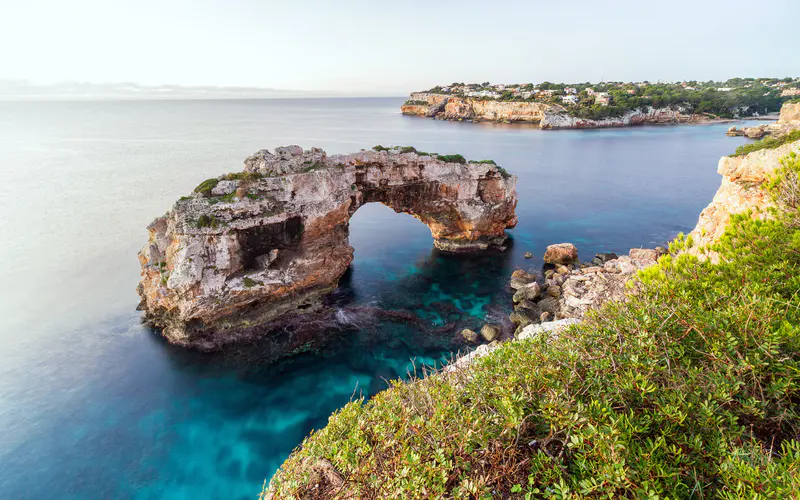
610,104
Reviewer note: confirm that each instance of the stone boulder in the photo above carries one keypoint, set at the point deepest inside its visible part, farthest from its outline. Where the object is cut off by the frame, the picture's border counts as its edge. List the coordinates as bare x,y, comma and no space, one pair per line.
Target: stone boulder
561,253
470,335
490,332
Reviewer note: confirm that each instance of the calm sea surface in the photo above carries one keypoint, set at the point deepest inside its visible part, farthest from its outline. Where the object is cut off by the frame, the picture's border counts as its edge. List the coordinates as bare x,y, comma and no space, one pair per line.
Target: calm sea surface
95,405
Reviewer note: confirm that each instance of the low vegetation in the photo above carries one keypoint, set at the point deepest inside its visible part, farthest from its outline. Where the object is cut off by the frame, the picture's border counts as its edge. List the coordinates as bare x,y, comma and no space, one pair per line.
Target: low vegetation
452,159
690,389
207,221
206,186
767,143
412,102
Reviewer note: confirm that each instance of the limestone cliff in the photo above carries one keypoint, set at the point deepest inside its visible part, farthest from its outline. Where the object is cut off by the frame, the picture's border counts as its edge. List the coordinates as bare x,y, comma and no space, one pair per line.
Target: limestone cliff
547,116
742,189
250,247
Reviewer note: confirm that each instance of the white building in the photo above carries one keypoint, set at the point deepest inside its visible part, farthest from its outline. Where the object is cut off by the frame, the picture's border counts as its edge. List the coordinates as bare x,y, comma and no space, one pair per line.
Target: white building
569,99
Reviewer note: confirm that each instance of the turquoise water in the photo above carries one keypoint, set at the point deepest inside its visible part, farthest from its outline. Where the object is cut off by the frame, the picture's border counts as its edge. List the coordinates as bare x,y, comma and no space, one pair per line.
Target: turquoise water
95,405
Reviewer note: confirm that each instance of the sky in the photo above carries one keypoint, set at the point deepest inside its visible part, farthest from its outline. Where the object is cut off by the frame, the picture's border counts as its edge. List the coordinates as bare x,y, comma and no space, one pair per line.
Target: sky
378,47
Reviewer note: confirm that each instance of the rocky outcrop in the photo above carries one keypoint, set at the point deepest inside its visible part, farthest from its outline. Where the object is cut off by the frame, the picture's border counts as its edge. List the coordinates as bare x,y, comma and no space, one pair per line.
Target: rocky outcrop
790,114
570,290
788,120
643,116
742,189
251,247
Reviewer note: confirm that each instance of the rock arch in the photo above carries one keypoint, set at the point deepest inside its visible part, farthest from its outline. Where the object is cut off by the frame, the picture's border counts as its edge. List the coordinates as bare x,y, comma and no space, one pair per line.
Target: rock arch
250,247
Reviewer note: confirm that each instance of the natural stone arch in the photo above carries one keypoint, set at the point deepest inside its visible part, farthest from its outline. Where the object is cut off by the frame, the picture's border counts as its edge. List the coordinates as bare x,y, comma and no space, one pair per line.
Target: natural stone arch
250,247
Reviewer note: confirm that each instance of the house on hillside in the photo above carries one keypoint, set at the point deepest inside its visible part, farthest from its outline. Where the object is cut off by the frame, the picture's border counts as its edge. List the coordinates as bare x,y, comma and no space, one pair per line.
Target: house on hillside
569,99
602,98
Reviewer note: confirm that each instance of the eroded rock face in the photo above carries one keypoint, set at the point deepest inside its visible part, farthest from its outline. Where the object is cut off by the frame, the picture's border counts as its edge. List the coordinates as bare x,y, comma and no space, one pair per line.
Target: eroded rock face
742,189
271,241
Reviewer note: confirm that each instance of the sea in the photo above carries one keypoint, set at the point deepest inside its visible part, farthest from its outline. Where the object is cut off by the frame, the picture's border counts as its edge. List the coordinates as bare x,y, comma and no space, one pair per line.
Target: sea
94,404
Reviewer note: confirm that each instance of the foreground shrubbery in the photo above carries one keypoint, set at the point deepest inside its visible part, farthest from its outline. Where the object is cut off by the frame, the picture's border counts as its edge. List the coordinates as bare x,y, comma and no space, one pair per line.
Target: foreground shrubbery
691,389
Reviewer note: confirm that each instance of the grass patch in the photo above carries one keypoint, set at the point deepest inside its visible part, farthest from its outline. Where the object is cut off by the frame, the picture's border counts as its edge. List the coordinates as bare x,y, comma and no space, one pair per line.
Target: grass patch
309,166
412,102
207,221
250,283
243,176
690,389
767,143
452,159
206,186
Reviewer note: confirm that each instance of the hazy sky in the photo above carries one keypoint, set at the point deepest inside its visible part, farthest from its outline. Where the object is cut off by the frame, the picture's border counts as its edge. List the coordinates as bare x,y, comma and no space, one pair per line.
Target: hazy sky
381,47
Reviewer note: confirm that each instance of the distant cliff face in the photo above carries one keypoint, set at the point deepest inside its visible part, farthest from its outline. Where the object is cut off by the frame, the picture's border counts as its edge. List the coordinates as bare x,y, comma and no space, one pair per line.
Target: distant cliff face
251,247
742,189
649,116
548,116
790,114
448,107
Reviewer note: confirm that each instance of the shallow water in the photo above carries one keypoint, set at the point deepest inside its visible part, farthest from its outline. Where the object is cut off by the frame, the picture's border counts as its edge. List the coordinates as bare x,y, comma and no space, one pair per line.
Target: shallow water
94,405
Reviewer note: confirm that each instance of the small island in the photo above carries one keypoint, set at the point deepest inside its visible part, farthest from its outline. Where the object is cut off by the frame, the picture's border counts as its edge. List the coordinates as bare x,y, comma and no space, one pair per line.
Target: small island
605,104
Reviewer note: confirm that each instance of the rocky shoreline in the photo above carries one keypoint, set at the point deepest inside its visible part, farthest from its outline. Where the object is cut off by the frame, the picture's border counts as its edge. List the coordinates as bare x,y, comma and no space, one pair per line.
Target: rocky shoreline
546,116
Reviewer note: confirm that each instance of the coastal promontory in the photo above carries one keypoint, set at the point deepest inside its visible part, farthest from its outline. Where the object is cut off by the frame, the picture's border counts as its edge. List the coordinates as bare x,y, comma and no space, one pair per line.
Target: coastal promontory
250,247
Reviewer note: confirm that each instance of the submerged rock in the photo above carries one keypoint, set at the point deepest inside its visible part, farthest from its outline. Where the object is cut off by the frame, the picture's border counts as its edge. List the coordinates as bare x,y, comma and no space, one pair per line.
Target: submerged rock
271,241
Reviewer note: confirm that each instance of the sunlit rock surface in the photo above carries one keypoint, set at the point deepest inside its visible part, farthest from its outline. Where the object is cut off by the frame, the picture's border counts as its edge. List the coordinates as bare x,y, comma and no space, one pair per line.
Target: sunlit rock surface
271,241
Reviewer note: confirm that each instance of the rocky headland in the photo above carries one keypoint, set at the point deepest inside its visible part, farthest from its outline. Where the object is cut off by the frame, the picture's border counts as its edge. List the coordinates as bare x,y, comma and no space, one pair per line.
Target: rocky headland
788,121
546,116
249,248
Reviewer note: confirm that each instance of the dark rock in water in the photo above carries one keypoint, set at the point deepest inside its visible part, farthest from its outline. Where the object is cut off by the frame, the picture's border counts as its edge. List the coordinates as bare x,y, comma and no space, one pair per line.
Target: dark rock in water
249,248
602,258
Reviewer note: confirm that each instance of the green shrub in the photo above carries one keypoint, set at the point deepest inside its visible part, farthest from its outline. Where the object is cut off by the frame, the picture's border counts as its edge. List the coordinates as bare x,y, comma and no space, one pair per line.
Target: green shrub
452,159
250,283
767,143
689,389
412,102
243,176
207,221
408,149
206,186
490,162
380,148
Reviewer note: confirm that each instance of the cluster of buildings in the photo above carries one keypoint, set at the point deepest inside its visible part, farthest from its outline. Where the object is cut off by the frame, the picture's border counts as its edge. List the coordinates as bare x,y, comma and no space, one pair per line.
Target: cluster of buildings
588,95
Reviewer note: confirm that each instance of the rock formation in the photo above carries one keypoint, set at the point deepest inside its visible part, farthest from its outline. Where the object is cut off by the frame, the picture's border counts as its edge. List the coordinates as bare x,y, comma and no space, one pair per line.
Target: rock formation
788,120
253,246
742,189
547,116
570,290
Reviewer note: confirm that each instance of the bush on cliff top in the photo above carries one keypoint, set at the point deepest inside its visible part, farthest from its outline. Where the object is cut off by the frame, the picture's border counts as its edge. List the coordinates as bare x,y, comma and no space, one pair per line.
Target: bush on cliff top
690,389
767,143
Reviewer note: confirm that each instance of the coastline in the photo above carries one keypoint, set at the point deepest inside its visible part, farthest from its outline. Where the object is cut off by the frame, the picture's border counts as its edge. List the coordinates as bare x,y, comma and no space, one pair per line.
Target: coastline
550,116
